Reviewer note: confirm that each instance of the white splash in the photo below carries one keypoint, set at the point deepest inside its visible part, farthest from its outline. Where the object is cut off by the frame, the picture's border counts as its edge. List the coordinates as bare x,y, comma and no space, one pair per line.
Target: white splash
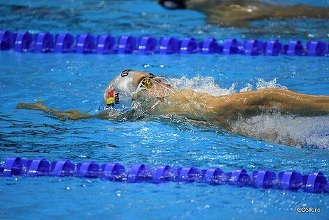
206,84
287,129
201,84
262,84
284,129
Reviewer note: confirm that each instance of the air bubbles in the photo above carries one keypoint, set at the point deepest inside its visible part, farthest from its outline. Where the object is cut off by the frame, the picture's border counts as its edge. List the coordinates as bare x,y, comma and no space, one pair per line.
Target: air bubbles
262,84
201,84
156,66
311,35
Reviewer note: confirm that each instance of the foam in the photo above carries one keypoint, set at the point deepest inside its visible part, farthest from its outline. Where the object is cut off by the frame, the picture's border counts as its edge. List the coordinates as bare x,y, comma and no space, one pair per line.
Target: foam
287,129
201,84
206,84
283,129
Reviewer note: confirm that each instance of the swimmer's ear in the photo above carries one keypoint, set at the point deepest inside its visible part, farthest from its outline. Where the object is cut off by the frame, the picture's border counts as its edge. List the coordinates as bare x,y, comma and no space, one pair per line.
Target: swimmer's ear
140,95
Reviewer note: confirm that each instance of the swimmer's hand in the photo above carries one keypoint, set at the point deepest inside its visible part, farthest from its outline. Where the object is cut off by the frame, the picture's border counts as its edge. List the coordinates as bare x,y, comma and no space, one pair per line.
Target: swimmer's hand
62,115
34,106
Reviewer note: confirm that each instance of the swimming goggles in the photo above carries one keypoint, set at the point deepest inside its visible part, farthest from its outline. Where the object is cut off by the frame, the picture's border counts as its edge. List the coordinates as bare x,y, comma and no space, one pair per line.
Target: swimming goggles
146,82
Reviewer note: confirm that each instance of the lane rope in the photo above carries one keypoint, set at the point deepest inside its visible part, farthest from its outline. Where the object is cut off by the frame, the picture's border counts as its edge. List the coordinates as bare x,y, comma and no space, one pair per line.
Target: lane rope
45,42
314,182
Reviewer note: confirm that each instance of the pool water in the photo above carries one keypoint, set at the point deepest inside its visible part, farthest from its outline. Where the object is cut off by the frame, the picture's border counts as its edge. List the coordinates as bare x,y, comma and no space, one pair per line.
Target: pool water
76,81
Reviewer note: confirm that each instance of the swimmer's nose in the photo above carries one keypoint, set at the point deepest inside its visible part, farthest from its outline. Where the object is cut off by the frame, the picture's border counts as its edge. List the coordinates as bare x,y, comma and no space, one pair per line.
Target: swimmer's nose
160,81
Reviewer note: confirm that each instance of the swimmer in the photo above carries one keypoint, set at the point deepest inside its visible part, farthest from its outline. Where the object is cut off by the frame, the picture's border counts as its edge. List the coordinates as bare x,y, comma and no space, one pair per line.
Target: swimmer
238,13
142,93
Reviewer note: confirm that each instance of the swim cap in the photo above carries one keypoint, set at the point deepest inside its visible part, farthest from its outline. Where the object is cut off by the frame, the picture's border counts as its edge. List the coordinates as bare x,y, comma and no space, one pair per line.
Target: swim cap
173,4
118,93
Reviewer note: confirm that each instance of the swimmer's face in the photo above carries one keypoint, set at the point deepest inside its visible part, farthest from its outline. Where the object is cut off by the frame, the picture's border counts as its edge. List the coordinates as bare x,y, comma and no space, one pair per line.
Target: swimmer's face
154,86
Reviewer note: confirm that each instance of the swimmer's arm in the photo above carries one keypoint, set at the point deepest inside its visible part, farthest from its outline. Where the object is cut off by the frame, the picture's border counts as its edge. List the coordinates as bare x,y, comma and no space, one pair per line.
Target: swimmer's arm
248,104
62,115
222,110
226,13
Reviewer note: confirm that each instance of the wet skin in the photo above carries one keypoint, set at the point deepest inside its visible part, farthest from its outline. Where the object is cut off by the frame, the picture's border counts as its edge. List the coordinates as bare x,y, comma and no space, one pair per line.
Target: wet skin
161,99
239,13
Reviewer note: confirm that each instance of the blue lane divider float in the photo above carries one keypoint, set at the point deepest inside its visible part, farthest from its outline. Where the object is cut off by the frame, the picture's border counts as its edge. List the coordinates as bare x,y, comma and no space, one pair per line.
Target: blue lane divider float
315,182
45,42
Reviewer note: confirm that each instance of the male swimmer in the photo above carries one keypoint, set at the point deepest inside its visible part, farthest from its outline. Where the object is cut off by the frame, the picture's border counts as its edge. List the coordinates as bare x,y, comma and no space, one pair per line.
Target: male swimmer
142,93
239,13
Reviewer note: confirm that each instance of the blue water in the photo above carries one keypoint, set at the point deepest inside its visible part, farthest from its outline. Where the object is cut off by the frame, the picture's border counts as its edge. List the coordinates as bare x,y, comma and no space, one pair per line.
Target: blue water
67,81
